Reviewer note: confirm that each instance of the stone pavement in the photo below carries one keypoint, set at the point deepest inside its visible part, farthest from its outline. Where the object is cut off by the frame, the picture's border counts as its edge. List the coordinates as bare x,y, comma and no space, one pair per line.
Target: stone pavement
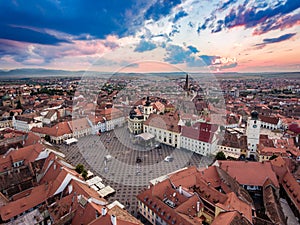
122,172
291,219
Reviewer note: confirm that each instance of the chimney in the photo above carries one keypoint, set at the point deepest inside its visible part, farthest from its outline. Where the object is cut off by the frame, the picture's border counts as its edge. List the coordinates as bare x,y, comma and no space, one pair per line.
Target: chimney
198,206
104,211
180,189
113,219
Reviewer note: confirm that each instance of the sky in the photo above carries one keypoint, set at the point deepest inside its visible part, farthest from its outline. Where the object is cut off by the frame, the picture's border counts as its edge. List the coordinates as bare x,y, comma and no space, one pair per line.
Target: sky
151,35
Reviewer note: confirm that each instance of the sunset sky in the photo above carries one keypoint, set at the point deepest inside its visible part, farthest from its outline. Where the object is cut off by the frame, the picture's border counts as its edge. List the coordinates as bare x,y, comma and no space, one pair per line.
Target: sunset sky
151,35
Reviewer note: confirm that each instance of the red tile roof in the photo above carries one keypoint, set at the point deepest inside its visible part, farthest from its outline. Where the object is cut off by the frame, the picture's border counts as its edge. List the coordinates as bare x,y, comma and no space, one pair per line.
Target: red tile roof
37,196
269,119
230,218
111,113
79,124
31,139
57,130
27,155
191,180
249,173
123,218
168,121
154,199
200,131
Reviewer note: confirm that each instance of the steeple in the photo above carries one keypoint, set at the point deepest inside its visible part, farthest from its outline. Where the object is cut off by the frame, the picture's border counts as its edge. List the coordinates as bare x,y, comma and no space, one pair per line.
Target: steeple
148,102
186,85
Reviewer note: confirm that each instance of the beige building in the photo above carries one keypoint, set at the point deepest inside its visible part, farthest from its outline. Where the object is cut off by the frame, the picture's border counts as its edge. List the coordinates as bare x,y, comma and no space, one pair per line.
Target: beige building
165,128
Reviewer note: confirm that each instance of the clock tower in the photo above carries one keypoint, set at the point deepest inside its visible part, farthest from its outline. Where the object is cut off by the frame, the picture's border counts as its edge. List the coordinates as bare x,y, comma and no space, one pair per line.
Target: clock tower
253,133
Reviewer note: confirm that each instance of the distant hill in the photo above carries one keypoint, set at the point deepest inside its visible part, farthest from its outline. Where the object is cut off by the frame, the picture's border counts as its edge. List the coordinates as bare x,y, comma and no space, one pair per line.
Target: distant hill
39,72
27,73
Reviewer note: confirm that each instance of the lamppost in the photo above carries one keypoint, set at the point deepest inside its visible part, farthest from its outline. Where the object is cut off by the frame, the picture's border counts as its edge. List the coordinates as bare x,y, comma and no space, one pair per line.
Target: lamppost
105,166
138,169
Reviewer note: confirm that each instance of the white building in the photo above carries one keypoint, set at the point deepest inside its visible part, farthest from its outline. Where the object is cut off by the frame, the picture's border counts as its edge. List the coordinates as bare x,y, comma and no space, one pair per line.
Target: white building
164,128
269,122
113,118
201,138
140,113
50,116
26,123
253,133
98,124
80,127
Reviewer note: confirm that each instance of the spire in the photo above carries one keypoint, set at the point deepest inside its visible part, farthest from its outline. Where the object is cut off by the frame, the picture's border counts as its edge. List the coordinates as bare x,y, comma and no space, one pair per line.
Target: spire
186,85
148,102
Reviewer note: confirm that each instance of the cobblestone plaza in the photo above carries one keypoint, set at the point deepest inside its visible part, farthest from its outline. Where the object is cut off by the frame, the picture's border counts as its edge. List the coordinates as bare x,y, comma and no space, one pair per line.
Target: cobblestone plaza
122,172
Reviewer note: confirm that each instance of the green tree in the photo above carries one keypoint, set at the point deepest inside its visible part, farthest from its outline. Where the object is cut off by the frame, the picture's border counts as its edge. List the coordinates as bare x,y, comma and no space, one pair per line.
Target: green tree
273,157
47,138
79,168
220,156
84,174
19,105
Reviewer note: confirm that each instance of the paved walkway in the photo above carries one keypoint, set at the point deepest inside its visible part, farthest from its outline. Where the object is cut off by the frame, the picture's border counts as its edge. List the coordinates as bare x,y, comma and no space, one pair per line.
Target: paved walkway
292,220
122,173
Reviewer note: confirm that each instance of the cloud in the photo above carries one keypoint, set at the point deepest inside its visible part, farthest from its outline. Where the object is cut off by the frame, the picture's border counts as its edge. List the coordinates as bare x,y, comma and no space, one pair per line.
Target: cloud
144,46
260,15
25,34
227,66
178,55
193,49
219,26
209,59
21,51
226,4
179,15
160,9
96,19
175,29
278,23
207,23
249,17
281,38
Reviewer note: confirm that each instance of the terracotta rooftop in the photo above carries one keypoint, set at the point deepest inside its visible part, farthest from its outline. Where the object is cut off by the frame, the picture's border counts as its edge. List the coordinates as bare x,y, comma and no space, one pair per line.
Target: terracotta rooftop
111,113
123,218
55,131
230,218
249,173
183,211
272,206
37,196
27,155
31,139
269,119
168,121
269,151
200,131
79,124
204,183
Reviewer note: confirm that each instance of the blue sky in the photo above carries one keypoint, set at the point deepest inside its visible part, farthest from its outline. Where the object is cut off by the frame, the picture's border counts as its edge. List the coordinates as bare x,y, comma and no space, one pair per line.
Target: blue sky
193,35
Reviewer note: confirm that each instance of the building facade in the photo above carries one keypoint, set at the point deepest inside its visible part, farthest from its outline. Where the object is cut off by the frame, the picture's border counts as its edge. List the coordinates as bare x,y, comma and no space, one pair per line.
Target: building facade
253,133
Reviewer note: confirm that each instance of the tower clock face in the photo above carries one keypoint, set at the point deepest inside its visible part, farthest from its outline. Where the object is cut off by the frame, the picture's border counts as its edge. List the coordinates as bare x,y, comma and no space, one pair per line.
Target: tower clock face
254,126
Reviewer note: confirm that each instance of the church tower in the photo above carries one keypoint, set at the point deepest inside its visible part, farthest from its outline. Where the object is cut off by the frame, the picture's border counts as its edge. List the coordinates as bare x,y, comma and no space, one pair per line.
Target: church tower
148,108
186,85
253,133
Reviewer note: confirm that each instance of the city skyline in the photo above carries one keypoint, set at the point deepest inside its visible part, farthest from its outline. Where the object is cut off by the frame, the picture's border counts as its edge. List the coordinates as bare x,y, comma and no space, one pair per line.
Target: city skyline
151,36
